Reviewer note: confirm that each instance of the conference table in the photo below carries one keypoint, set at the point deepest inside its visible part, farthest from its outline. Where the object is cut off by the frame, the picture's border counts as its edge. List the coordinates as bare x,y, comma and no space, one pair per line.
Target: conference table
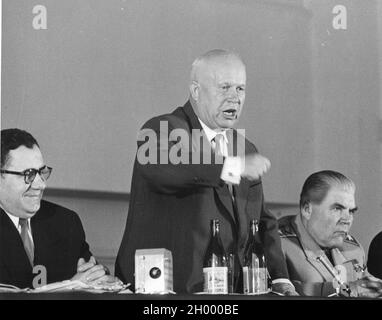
78,295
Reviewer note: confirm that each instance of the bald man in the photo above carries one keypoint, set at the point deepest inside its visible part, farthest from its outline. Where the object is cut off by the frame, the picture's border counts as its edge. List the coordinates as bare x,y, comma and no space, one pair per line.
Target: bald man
191,167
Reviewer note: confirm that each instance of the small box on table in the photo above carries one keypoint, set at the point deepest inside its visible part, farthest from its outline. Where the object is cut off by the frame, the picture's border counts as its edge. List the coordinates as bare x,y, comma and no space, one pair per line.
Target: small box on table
153,271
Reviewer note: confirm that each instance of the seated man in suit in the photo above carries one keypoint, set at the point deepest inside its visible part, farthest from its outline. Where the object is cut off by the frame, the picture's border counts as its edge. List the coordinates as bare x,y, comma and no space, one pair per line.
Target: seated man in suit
374,258
322,257
34,232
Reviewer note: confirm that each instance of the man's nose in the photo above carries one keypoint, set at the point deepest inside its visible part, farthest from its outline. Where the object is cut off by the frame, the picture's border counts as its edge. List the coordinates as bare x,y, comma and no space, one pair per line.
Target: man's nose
233,94
38,182
346,216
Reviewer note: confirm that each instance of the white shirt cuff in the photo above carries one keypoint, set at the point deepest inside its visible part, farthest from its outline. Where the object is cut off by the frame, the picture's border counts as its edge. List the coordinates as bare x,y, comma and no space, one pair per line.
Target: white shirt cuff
282,280
232,170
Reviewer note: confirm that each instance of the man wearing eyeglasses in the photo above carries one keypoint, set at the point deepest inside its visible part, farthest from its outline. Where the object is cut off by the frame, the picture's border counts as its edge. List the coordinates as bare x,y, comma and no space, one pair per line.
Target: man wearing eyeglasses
34,232
321,256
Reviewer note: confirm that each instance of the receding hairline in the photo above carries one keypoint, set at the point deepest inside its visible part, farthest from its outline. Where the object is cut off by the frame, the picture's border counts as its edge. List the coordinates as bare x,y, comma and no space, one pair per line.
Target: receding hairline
9,158
348,186
317,186
215,55
12,139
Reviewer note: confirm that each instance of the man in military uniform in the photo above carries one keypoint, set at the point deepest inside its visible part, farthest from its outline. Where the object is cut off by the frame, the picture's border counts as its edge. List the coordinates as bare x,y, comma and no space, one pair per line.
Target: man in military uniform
322,258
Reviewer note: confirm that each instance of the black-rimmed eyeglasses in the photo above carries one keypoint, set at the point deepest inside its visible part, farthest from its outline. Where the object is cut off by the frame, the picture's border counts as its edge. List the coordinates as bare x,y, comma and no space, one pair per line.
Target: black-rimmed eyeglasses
30,174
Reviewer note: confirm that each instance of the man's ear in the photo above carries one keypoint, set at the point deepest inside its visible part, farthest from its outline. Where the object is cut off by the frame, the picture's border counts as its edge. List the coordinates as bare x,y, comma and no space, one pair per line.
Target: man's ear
194,90
306,210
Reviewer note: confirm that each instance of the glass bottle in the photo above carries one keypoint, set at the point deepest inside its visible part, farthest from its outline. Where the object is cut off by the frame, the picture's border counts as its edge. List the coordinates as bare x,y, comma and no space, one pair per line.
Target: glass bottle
255,273
215,264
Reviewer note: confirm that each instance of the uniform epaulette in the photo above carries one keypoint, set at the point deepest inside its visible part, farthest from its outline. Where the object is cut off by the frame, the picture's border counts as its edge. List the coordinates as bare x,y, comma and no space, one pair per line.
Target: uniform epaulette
286,231
352,240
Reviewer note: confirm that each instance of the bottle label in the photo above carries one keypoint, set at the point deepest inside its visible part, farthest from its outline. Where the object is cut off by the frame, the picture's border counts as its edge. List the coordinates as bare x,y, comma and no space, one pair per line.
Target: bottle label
255,280
216,280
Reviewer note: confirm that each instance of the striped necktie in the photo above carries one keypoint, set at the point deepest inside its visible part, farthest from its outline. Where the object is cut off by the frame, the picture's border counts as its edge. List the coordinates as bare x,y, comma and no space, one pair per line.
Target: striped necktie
27,240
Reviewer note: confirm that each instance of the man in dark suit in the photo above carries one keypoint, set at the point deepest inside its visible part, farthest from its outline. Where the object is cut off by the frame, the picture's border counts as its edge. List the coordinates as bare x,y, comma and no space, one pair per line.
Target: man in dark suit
374,258
36,235
183,179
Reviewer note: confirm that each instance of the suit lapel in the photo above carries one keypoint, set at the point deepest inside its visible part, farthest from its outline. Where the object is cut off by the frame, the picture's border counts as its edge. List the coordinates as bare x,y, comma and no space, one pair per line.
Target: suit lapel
222,191
38,239
337,256
192,118
241,195
312,256
353,270
13,253
236,147
312,250
45,240
226,199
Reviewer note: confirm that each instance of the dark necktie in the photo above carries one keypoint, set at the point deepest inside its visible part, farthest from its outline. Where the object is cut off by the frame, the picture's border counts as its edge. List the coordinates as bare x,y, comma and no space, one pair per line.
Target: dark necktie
27,241
221,149
328,254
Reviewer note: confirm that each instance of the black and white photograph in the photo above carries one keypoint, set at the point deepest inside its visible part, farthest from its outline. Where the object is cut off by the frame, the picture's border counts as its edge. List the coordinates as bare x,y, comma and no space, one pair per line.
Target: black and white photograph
191,156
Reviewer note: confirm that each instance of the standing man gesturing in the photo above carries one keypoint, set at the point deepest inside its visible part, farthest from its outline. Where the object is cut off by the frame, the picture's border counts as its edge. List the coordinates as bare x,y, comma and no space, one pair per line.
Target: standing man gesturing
172,202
